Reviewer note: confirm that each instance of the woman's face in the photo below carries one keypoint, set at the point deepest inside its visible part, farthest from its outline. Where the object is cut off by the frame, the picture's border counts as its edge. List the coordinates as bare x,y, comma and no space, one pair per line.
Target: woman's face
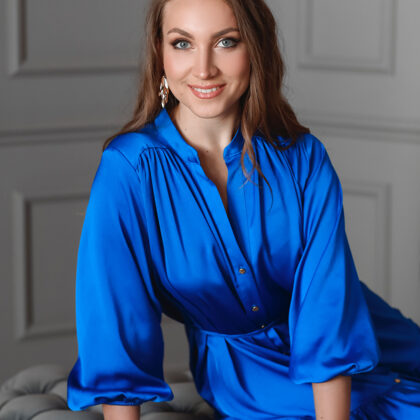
195,55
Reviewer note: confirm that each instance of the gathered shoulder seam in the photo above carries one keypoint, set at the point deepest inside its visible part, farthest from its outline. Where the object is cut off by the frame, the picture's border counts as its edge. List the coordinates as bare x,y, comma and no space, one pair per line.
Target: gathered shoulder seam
126,159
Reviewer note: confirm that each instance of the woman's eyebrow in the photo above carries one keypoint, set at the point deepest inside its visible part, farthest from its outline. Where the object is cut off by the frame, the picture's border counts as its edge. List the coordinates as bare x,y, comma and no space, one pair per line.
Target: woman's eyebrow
222,32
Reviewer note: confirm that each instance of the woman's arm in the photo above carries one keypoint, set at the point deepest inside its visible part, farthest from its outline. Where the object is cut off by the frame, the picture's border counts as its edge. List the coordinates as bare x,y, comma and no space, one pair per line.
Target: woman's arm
121,412
332,398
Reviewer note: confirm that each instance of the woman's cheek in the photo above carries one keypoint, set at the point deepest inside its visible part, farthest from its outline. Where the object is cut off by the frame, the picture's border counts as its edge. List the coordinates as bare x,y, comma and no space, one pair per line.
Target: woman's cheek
174,61
242,64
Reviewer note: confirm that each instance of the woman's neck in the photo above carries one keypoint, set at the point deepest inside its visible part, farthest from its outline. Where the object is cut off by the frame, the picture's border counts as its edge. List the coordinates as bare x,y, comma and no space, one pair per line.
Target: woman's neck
205,134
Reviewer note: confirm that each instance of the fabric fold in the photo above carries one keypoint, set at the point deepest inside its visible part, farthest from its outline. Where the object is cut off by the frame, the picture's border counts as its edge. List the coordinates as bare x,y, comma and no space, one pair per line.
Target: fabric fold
331,330
120,344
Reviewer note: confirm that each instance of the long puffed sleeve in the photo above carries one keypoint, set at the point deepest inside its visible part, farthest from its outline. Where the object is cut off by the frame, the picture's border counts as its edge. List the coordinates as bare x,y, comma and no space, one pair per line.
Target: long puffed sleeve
331,331
120,342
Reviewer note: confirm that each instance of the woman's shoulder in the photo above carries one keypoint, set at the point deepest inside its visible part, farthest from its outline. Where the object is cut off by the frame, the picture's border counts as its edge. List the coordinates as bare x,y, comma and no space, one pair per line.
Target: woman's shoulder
132,144
306,147
304,155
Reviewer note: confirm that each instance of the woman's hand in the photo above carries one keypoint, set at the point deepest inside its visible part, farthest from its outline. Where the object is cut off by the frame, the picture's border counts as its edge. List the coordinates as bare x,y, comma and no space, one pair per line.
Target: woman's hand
332,398
121,412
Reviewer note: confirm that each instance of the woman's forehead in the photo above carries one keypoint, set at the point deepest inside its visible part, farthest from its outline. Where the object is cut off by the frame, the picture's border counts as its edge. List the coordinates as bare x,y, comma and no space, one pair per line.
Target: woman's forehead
198,16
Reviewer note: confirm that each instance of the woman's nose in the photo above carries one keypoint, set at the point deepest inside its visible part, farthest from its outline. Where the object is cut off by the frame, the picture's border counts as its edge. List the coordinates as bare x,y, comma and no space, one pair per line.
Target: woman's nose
204,66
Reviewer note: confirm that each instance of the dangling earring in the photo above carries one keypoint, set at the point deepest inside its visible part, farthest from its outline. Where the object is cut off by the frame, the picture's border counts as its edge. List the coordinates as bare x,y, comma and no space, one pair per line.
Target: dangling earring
164,91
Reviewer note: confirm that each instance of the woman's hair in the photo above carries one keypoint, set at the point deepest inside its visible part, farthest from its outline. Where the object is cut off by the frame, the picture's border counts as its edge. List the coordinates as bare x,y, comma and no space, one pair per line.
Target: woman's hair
264,108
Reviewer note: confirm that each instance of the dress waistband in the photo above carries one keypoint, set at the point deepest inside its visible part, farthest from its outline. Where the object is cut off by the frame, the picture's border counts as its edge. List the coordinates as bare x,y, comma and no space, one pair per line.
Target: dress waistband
277,322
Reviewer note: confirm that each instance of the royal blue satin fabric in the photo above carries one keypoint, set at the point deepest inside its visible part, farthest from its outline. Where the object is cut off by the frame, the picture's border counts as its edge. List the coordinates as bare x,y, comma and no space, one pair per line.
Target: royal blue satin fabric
268,292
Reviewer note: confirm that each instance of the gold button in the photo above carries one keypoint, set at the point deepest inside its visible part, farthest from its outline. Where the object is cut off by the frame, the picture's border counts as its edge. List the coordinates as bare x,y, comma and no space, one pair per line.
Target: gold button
262,325
255,308
397,380
242,270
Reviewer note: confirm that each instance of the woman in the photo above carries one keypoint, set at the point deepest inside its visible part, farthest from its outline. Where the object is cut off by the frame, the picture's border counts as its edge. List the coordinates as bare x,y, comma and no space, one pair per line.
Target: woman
256,264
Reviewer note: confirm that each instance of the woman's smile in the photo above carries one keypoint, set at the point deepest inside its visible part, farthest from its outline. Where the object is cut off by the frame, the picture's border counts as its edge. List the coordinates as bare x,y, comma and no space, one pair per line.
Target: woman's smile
207,93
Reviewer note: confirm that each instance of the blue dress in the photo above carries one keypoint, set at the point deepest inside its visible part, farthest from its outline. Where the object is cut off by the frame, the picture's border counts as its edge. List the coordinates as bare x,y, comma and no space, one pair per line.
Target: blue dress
268,291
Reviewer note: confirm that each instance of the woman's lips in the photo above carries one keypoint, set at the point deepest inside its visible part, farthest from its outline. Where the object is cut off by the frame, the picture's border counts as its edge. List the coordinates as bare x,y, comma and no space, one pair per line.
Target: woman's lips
214,90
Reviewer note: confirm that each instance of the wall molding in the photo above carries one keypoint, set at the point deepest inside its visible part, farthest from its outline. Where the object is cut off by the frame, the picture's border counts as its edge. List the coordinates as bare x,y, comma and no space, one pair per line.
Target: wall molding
380,193
22,262
383,63
54,135
364,127
354,126
21,65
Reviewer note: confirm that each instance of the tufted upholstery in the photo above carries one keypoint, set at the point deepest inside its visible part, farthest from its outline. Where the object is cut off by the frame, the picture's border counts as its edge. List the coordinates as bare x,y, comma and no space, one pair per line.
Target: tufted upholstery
40,393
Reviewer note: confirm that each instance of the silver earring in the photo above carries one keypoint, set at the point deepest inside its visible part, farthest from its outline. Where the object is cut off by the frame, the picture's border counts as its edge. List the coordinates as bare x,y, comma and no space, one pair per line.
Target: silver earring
164,91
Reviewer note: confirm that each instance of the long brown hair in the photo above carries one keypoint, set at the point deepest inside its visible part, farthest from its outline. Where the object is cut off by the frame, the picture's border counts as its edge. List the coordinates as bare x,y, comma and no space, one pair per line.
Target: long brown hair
264,108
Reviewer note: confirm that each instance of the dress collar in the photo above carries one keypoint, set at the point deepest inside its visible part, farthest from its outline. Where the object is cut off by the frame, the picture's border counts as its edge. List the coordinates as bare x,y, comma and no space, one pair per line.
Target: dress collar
174,140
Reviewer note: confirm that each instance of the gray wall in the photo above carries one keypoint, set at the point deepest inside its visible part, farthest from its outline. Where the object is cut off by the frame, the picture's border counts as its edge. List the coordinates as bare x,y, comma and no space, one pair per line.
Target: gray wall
68,80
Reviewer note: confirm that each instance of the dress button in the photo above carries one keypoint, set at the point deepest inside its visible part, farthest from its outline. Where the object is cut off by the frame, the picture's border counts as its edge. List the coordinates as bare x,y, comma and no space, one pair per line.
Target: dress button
262,325
255,308
242,270
397,380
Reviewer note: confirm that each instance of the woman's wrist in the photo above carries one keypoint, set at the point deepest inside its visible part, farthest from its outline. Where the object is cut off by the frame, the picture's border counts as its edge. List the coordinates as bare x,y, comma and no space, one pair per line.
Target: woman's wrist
121,412
332,398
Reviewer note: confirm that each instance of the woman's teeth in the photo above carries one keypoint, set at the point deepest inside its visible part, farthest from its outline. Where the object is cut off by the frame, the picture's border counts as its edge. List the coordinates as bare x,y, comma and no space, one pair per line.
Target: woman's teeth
206,90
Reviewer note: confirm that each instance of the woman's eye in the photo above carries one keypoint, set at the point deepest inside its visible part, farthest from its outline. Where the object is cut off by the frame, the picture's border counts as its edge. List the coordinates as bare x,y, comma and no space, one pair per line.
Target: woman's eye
181,41
231,40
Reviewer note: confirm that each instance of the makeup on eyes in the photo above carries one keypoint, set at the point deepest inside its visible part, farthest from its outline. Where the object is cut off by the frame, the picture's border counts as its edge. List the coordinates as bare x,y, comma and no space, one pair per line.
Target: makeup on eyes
234,40
178,40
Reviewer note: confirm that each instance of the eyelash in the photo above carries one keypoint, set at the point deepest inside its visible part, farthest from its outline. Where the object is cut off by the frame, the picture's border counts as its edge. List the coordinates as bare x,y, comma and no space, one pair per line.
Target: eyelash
236,41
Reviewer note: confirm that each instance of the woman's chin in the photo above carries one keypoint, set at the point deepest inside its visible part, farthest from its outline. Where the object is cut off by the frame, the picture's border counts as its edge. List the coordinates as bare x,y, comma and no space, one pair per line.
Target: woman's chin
208,110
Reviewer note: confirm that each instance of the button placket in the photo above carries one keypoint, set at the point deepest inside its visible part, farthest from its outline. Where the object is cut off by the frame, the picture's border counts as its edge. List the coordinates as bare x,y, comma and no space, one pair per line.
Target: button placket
244,281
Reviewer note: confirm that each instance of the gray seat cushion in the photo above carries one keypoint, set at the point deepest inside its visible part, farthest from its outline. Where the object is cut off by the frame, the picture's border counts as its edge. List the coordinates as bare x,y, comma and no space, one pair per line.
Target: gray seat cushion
40,393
